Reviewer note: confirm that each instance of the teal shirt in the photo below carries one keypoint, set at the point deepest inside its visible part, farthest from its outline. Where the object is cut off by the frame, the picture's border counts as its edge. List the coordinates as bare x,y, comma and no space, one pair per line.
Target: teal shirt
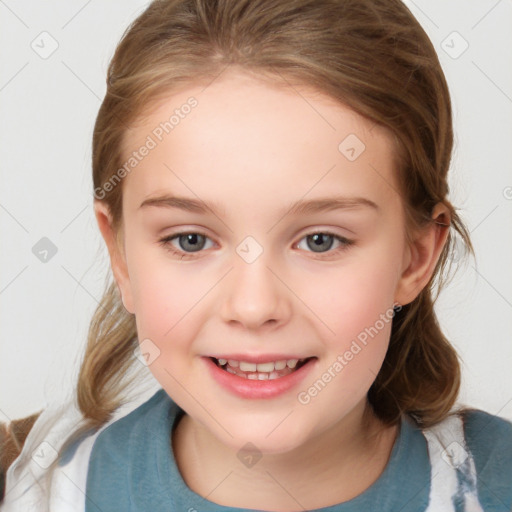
132,467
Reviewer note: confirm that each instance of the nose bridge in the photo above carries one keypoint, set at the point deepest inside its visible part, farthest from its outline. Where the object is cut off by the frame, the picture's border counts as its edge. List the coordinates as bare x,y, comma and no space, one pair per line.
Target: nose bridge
255,296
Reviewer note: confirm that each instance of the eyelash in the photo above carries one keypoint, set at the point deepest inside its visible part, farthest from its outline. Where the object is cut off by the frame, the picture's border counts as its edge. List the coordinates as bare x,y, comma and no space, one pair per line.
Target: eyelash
166,243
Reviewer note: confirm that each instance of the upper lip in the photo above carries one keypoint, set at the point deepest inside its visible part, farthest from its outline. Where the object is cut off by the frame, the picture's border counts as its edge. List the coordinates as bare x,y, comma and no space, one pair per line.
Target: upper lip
259,358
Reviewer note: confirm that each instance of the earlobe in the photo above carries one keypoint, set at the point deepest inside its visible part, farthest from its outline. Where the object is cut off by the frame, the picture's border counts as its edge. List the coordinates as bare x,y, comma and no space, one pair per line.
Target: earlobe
116,253
423,254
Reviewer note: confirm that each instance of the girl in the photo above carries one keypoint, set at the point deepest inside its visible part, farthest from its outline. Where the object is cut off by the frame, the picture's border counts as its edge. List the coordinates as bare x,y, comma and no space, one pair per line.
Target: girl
270,179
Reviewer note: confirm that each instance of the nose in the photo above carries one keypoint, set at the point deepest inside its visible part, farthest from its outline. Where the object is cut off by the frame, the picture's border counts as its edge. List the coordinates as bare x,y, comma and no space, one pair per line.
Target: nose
255,296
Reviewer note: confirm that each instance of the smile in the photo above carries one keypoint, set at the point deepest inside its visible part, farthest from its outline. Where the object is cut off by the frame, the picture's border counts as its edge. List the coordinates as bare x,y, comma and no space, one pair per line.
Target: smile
260,371
265,377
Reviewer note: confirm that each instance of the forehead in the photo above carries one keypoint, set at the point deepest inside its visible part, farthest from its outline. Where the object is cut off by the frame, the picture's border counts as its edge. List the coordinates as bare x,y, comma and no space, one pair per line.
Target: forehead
252,138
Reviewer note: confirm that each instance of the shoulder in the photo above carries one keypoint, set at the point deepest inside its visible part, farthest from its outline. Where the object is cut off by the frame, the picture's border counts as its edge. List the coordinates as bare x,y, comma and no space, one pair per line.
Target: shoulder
27,477
119,442
12,439
470,452
482,427
116,435
25,488
489,439
118,458
483,432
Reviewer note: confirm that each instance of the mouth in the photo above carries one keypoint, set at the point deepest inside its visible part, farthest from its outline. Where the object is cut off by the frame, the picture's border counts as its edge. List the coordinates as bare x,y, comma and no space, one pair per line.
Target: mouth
261,371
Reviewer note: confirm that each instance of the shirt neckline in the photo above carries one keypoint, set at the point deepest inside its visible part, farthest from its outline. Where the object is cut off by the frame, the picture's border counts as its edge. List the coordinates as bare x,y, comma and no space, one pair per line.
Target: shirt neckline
393,475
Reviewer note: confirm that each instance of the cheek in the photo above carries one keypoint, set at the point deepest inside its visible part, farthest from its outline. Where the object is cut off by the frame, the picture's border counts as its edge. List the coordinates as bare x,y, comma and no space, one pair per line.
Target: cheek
357,308
351,298
168,299
164,293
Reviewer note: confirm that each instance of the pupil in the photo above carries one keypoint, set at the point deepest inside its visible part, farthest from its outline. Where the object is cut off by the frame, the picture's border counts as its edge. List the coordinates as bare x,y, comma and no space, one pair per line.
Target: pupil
191,238
319,242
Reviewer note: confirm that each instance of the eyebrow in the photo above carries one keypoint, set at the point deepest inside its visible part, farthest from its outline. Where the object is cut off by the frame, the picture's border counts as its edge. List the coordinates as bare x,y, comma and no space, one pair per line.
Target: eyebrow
300,207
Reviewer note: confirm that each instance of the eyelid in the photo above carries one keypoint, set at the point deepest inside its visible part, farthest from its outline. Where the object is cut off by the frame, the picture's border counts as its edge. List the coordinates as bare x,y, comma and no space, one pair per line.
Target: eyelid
166,242
345,242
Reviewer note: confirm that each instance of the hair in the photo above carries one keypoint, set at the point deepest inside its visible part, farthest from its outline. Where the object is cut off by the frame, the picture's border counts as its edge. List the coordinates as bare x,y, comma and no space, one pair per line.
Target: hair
370,55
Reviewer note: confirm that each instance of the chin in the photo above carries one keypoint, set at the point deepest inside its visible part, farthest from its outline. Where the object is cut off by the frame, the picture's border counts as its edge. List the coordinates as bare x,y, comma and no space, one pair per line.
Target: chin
270,435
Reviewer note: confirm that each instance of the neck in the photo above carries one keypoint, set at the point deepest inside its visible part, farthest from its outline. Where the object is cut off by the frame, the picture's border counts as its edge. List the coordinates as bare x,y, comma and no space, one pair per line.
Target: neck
332,467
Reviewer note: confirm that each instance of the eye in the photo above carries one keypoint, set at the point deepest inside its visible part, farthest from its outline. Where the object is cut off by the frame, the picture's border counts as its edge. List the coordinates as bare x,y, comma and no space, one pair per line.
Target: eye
188,242
322,241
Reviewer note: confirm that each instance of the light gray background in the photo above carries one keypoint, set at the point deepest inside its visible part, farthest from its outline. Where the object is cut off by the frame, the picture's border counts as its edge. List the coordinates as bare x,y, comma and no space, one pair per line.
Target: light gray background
48,107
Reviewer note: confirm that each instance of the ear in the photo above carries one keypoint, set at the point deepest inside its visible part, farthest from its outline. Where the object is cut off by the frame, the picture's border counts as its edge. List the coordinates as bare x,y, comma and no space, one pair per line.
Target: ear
422,255
116,253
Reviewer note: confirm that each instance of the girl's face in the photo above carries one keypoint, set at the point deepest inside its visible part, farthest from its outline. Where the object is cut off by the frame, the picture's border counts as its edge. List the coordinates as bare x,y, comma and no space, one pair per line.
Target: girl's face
300,255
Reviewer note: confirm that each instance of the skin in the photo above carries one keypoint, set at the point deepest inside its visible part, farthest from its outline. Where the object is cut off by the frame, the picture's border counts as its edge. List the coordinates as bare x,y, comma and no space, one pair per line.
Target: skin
255,147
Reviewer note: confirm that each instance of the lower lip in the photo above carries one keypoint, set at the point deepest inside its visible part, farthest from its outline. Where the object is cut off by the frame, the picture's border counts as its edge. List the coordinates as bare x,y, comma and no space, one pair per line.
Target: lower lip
248,388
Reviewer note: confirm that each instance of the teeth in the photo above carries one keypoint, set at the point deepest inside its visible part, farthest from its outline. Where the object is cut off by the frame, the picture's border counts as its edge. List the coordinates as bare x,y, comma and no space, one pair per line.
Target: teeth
264,370
247,367
265,367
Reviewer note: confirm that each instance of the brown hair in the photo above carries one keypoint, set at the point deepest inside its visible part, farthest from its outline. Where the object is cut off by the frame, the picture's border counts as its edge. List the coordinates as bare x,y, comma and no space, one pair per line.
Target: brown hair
371,55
